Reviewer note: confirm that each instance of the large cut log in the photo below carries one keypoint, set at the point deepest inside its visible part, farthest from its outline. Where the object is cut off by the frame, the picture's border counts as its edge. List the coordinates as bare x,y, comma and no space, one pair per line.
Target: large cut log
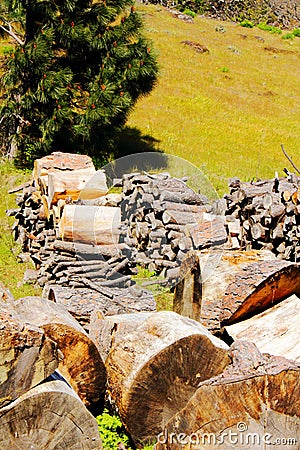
81,302
82,365
188,290
90,224
274,331
59,161
107,331
85,184
253,404
243,284
154,370
48,417
27,356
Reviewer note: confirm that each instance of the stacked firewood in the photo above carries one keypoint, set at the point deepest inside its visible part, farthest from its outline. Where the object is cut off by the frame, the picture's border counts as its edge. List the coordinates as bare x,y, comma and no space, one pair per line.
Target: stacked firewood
164,219
265,214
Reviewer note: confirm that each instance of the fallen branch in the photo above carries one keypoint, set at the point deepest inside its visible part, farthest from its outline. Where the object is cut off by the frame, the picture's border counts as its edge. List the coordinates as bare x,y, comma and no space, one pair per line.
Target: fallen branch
290,159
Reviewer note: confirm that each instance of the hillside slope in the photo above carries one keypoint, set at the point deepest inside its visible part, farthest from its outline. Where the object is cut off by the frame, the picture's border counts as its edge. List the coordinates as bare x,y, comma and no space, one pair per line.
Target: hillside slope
227,110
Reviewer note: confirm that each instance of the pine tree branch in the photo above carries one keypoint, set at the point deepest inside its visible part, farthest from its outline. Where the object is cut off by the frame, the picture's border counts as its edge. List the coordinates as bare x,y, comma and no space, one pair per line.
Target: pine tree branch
11,33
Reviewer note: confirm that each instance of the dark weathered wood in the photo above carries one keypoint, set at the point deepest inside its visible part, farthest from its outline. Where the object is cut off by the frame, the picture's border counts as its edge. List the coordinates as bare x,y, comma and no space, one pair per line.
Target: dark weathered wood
27,355
188,290
49,416
82,365
256,396
155,369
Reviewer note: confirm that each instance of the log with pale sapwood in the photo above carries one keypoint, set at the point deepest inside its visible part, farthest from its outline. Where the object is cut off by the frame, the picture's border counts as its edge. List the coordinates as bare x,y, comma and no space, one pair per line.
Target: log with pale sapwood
47,417
155,369
27,354
253,404
274,331
81,365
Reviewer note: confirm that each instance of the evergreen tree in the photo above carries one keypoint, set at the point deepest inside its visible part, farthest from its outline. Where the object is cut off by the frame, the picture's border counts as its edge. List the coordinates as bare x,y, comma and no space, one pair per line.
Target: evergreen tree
75,73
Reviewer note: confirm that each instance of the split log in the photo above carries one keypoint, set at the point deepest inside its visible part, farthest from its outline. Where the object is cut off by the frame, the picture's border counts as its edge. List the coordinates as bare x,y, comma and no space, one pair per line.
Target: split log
180,218
49,416
59,161
82,365
274,331
244,284
253,404
81,302
90,224
27,355
154,370
85,184
188,289
208,232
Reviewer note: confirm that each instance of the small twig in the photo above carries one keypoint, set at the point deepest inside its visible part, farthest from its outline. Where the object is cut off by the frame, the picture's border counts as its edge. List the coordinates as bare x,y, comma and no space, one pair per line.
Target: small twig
290,159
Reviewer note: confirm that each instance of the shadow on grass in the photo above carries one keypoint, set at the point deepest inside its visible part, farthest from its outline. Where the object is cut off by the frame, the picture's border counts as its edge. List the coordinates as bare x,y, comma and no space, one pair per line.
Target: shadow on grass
136,152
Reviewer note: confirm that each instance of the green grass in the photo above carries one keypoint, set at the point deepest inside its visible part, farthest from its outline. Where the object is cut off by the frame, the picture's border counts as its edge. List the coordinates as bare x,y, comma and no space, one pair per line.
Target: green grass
226,122
11,270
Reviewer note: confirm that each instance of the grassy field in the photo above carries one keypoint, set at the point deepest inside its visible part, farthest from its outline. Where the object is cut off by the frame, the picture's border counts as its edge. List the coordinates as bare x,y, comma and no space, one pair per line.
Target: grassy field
223,113
227,111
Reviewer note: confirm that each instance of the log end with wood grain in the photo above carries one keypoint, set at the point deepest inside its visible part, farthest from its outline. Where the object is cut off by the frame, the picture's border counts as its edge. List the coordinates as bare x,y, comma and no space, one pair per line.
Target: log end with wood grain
49,416
258,395
154,370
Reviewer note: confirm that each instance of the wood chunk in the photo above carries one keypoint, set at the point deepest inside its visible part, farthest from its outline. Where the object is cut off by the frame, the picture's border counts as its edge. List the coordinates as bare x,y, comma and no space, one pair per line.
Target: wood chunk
259,286
208,232
188,289
85,184
82,365
49,416
154,370
27,355
274,331
90,224
257,396
81,302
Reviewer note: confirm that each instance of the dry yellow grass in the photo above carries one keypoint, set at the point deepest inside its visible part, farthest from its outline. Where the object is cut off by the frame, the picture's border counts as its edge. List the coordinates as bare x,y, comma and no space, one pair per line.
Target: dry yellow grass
226,111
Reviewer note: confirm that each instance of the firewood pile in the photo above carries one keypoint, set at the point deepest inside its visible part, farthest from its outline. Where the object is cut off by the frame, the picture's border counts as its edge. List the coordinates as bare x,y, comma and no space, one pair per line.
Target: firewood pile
164,219
265,214
70,227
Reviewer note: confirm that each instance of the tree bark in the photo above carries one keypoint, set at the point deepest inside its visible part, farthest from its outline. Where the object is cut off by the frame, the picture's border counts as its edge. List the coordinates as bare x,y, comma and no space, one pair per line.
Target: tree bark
48,417
154,370
256,396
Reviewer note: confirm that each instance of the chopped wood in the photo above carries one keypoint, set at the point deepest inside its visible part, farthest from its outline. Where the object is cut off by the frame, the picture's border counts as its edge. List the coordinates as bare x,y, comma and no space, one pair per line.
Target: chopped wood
82,365
155,369
27,355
